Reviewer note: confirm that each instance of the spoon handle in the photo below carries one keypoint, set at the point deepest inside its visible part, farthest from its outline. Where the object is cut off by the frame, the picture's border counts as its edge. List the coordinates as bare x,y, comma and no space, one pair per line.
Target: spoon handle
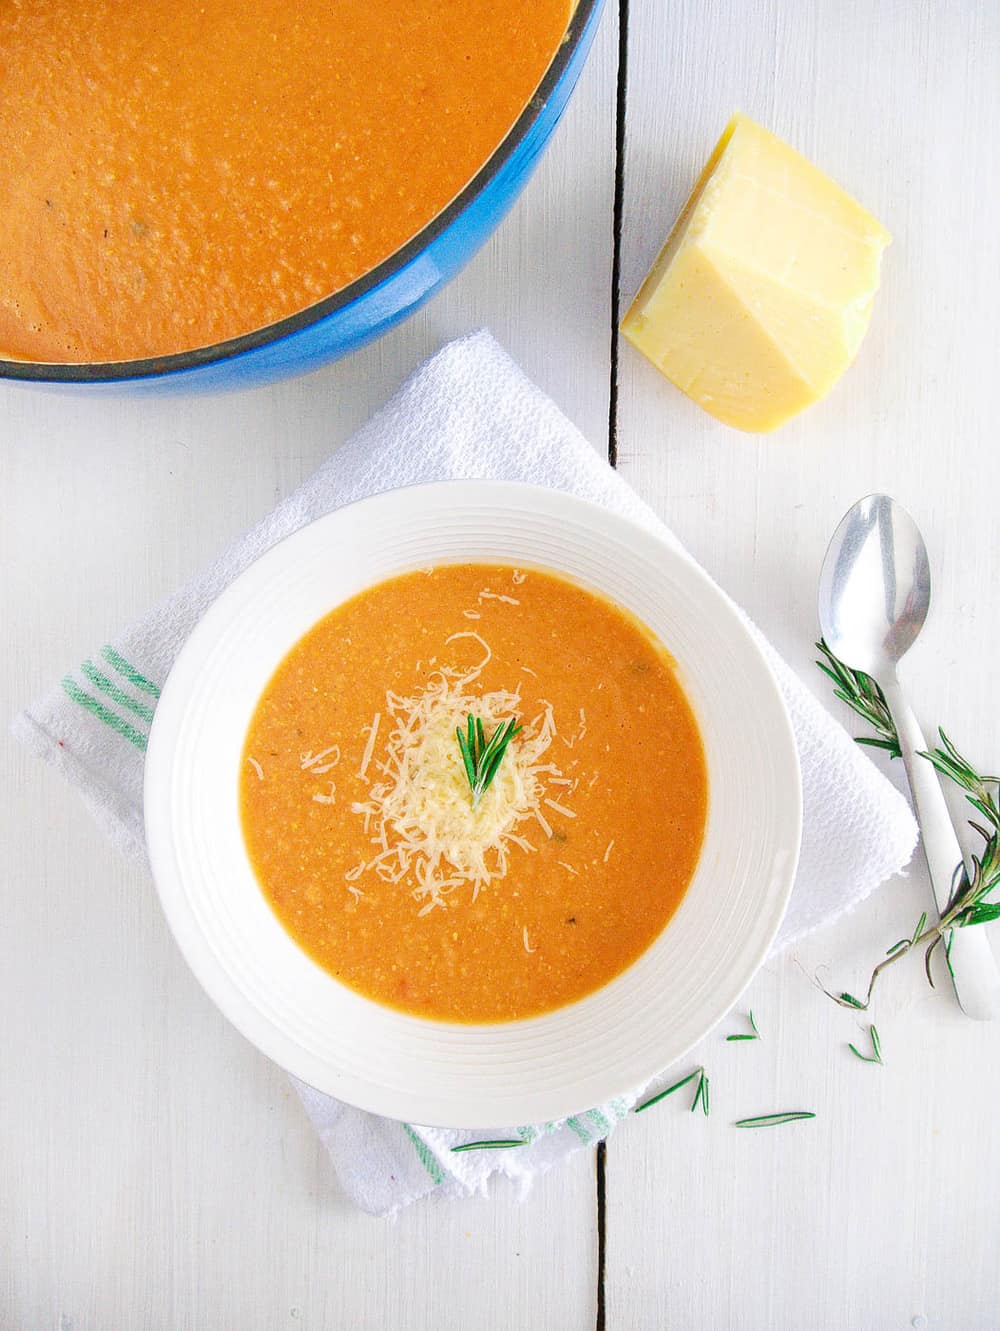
974,968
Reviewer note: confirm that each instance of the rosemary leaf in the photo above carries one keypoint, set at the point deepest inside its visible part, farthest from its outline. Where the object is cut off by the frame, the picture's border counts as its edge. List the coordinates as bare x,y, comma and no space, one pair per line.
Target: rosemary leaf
851,1001
947,953
774,1120
753,1027
890,745
467,759
701,1094
662,1095
927,960
876,1056
500,1145
984,914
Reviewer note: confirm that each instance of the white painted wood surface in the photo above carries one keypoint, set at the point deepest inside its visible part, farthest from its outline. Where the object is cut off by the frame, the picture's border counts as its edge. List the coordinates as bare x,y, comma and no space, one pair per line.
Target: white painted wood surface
154,1171
882,1210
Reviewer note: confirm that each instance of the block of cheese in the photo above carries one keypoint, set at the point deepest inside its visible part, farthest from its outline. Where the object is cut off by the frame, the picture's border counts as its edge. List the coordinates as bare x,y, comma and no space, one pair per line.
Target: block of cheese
763,291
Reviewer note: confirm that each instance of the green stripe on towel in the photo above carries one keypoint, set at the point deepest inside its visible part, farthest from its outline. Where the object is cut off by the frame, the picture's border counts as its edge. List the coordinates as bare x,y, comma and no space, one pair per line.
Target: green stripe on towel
101,681
112,719
130,673
579,1129
427,1157
598,1118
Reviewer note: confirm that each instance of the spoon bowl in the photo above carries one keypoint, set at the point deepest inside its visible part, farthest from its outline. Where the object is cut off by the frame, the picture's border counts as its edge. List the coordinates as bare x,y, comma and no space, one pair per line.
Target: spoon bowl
875,586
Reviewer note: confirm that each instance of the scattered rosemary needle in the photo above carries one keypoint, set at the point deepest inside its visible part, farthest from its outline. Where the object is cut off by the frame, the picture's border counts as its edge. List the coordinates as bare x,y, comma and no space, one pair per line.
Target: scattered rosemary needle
662,1095
481,758
753,1027
774,1120
969,905
701,1095
876,1055
501,1144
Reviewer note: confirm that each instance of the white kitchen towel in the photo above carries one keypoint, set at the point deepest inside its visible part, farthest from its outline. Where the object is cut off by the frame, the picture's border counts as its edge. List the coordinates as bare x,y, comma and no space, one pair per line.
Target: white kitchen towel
468,412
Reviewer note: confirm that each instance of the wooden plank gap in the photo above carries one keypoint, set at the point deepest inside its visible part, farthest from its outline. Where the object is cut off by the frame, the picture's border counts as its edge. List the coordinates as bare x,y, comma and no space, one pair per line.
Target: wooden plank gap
616,226
602,1165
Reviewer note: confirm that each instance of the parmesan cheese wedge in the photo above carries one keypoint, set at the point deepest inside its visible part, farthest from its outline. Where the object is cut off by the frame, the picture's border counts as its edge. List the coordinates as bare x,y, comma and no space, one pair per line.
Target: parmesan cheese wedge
763,292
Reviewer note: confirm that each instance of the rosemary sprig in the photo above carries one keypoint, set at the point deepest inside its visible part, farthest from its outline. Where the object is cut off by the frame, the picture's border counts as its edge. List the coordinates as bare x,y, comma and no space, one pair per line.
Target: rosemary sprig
499,1145
968,904
753,1027
774,1120
863,696
876,1055
482,758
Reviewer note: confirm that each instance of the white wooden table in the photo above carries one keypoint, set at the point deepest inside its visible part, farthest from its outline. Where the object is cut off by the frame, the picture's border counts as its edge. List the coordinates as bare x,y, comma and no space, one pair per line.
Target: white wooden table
156,1174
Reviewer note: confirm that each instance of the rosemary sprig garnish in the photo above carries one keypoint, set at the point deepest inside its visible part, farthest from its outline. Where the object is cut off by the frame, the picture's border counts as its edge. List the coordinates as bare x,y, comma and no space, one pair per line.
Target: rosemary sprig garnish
753,1027
501,1144
482,758
774,1120
968,905
876,1055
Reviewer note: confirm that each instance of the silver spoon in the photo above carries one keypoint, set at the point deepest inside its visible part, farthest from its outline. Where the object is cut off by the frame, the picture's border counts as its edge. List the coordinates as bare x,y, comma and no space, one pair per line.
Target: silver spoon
874,592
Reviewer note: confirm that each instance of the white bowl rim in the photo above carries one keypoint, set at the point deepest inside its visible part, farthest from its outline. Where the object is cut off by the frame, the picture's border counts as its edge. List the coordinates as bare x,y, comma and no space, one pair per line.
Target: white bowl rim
425,1106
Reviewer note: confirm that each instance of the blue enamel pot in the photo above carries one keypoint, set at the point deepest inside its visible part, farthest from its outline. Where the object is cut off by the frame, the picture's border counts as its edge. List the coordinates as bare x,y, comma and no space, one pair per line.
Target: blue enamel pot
381,298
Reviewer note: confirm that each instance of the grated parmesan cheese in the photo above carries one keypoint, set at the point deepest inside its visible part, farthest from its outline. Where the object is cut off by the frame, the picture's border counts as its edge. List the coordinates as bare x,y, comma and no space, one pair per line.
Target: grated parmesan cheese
560,808
369,747
256,767
546,826
424,831
487,595
527,945
320,763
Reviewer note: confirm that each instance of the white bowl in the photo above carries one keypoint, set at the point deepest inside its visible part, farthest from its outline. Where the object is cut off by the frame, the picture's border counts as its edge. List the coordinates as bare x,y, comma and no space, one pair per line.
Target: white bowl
408,1067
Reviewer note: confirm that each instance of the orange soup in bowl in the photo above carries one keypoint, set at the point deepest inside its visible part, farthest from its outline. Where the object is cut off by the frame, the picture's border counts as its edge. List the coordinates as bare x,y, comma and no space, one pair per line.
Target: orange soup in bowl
474,793
175,175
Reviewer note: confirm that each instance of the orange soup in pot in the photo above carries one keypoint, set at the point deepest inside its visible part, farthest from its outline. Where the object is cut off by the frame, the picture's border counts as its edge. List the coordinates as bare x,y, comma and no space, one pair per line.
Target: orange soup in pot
174,175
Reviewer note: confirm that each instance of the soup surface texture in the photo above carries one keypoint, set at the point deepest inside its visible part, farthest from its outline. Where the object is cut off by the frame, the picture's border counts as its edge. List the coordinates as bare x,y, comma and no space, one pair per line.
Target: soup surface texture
358,813
173,175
